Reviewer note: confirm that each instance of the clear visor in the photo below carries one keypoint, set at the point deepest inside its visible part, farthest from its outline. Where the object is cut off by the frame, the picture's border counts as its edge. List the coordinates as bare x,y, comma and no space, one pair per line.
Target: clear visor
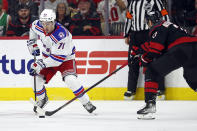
47,23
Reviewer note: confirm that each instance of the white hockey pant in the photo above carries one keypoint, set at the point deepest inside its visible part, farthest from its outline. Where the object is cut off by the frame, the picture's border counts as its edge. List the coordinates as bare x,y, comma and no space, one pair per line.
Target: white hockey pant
74,84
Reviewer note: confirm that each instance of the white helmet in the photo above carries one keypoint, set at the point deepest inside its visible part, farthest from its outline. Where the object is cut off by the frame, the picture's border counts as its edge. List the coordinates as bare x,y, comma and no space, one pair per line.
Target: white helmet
48,15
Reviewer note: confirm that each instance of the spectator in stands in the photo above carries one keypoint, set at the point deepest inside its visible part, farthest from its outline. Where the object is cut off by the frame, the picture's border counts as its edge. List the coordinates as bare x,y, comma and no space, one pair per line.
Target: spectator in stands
74,3
4,20
5,5
52,4
38,1
21,24
179,10
87,21
191,20
63,15
116,11
14,4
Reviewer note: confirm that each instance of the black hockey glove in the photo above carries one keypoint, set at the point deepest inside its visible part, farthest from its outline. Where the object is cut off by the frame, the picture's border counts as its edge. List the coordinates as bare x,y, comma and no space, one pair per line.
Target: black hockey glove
144,60
134,55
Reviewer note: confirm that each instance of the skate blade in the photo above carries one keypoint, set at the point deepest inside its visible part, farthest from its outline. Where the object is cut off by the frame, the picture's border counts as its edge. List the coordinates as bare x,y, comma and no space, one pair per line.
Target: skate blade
160,98
149,116
40,111
129,98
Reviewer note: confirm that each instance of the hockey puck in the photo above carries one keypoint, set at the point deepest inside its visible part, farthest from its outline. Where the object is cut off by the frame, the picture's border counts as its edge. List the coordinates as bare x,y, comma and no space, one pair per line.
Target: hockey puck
41,116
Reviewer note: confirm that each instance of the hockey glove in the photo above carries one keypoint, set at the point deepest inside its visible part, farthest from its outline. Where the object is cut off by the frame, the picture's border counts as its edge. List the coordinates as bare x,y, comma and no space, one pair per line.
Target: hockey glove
33,48
134,55
144,60
36,67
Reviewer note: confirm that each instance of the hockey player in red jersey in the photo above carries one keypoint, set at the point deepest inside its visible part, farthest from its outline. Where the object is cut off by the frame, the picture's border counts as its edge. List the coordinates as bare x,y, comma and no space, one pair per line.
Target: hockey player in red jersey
58,55
169,47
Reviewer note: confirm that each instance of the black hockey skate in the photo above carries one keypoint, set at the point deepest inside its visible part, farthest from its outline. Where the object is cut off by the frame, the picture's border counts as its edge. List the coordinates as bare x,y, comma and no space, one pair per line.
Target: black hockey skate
128,95
147,113
41,103
89,107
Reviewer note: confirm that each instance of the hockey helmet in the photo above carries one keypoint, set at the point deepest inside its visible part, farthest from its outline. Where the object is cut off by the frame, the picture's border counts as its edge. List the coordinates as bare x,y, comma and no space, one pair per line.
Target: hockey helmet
47,15
153,16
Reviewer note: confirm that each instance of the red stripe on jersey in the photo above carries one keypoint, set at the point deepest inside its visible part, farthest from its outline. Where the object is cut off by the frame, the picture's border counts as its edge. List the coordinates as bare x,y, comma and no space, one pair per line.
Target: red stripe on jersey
182,40
156,46
145,46
154,51
35,45
135,47
58,57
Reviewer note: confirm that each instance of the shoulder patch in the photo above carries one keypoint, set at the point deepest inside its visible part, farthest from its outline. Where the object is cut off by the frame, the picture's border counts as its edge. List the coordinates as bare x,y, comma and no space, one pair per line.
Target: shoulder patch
59,34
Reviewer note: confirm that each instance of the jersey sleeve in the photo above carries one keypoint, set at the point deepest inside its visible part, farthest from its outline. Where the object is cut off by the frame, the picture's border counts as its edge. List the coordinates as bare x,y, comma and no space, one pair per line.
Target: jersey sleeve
32,32
60,52
156,44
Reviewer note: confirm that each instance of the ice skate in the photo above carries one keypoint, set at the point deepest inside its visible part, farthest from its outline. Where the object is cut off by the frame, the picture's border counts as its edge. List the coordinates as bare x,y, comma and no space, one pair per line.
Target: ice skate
41,103
89,107
160,95
128,95
148,112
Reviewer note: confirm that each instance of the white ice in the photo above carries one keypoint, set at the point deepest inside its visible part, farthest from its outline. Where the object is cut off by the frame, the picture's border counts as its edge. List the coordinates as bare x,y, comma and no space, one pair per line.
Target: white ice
109,116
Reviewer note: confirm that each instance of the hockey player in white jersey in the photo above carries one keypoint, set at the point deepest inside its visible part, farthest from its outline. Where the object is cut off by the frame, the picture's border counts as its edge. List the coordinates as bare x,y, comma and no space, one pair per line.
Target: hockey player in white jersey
58,55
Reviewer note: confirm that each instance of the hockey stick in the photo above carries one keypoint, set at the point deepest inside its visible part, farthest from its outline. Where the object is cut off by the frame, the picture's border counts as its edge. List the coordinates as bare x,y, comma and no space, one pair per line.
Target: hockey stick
35,80
50,113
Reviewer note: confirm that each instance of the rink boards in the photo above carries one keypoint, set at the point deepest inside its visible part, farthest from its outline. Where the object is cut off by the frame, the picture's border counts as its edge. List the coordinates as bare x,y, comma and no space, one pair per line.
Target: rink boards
95,58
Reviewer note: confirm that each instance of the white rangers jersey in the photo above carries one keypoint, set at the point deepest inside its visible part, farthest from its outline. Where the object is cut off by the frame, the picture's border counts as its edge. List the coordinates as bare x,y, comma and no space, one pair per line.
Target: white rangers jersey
57,46
115,14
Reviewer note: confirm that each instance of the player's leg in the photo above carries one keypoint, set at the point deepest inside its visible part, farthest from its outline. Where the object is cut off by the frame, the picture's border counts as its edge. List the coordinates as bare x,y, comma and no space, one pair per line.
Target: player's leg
161,88
43,78
151,87
133,75
190,71
41,94
74,84
160,67
68,70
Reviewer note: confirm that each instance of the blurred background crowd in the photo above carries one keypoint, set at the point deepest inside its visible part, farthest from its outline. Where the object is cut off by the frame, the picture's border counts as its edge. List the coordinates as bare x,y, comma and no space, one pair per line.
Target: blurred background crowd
86,17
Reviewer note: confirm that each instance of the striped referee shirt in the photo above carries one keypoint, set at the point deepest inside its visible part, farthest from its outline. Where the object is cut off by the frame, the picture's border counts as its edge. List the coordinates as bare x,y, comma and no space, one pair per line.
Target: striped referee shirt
135,16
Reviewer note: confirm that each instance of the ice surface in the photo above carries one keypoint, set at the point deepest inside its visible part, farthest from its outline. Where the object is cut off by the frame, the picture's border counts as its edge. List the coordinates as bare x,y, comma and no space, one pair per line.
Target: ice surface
110,116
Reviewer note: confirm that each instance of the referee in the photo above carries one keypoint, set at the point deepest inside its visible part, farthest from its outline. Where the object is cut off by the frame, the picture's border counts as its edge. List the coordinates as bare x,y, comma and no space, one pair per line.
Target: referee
136,33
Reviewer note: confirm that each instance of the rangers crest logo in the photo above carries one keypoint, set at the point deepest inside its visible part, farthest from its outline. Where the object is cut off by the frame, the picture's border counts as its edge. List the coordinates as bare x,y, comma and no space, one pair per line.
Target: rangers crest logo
61,34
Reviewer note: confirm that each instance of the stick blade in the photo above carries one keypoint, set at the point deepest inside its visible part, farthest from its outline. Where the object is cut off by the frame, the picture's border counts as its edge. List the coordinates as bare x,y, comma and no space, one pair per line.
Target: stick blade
40,111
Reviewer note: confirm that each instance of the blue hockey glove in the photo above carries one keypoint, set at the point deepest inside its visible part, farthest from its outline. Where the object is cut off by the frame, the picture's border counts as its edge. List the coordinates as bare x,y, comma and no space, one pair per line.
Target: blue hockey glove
33,47
36,67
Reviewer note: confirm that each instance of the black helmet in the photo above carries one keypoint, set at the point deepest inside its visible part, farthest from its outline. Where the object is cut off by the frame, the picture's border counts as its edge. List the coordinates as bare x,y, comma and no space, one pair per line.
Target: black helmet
153,16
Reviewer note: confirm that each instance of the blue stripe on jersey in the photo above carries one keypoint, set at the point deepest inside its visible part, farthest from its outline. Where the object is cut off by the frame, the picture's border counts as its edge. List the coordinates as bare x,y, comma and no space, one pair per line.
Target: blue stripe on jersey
73,51
59,58
53,39
39,27
56,59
